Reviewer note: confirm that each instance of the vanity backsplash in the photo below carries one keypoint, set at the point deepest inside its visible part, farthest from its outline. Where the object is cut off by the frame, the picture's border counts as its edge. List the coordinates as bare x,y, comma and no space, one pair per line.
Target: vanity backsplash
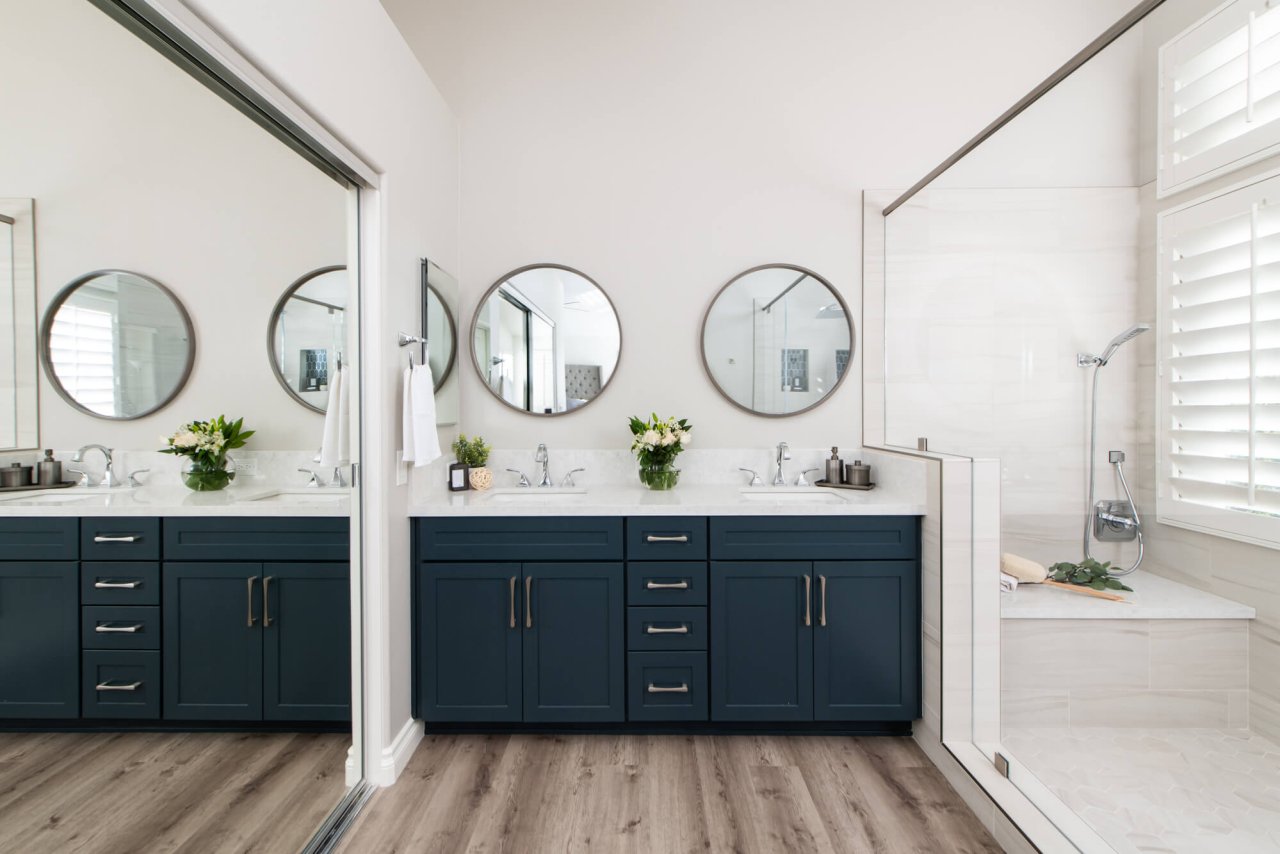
276,468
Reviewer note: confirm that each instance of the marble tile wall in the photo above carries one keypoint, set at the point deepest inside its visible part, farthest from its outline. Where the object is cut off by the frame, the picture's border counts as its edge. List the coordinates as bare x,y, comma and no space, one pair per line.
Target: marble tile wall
274,468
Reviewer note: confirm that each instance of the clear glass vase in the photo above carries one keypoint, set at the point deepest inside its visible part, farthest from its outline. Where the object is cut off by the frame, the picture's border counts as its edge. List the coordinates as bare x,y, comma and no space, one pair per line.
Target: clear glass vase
208,477
659,476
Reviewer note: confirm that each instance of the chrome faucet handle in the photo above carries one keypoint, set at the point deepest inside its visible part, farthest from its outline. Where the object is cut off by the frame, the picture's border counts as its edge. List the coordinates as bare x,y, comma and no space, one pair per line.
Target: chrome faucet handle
315,481
133,477
84,476
802,480
524,481
336,481
755,478
568,483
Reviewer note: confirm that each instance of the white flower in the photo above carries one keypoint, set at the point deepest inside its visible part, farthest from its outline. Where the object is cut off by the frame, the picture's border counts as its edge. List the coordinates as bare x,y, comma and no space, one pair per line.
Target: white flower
669,439
186,439
685,438
651,438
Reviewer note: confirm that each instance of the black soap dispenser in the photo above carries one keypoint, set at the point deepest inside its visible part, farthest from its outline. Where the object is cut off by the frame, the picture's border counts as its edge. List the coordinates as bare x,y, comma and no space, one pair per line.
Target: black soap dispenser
835,466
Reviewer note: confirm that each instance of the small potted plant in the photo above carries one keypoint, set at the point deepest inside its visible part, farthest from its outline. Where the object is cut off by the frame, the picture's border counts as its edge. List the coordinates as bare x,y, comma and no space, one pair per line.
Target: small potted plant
205,445
656,444
474,454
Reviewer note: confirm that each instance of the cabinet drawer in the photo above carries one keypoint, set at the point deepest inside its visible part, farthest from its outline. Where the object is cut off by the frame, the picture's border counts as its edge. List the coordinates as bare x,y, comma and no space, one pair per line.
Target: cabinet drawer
125,538
121,684
120,627
667,583
119,583
814,537
257,539
666,628
29,538
667,538
563,538
667,686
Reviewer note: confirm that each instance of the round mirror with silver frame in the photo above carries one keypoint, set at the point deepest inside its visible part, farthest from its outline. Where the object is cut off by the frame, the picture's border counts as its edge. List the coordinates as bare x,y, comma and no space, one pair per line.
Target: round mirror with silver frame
777,340
546,339
117,345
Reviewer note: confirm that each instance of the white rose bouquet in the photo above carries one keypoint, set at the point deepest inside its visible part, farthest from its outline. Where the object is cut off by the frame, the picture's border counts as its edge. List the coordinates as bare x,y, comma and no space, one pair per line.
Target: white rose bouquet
206,444
656,444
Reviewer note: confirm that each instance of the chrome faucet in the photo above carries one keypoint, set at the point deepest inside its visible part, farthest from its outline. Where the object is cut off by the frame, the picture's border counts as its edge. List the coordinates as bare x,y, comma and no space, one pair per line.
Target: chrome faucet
568,483
109,479
784,453
542,458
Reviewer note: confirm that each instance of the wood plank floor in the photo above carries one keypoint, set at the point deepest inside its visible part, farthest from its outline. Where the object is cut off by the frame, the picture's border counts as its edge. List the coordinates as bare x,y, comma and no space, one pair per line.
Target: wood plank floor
112,793
528,794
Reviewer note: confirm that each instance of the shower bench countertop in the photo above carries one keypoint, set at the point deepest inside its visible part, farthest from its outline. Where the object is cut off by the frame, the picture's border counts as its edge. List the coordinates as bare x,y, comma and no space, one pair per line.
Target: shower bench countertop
1153,598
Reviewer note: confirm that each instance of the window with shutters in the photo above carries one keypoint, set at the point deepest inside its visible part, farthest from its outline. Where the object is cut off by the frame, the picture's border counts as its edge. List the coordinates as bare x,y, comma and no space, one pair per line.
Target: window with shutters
1220,94
1219,364
82,351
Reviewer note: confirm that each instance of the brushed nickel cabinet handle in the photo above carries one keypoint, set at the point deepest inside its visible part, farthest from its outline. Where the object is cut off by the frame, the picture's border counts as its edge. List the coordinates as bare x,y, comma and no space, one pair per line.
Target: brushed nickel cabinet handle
116,585
664,585
682,688
131,538
528,602
111,686
249,599
658,630
808,601
822,610
103,630
511,609
266,601
655,538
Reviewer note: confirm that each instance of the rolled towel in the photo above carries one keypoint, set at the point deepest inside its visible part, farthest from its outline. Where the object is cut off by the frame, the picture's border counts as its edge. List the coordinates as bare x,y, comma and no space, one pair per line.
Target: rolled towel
1008,583
1027,571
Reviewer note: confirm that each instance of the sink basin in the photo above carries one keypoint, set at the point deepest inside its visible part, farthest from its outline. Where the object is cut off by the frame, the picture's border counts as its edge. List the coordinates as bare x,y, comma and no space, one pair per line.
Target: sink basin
303,497
795,495
62,497
537,495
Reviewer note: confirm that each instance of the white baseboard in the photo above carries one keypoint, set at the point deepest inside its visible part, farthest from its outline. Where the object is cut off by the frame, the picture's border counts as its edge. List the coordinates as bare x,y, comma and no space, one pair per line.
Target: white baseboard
395,757
352,772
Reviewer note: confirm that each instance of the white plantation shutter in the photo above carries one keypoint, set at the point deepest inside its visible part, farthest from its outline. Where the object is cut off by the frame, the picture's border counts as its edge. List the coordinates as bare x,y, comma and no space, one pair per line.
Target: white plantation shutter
82,350
1219,363
1220,94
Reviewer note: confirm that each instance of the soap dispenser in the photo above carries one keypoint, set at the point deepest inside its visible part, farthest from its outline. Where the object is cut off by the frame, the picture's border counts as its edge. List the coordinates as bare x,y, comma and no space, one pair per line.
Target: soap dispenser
48,470
835,466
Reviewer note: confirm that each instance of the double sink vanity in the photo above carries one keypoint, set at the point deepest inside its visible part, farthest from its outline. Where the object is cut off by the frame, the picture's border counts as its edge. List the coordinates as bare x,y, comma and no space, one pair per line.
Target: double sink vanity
708,607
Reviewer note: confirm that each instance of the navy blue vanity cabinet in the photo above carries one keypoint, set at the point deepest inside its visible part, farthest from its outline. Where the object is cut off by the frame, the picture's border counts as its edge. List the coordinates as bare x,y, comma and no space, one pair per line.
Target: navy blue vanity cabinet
540,639
39,618
306,635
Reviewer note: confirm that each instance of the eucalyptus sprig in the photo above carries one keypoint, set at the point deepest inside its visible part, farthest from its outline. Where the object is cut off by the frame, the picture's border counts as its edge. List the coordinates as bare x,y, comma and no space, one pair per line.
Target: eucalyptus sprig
1087,573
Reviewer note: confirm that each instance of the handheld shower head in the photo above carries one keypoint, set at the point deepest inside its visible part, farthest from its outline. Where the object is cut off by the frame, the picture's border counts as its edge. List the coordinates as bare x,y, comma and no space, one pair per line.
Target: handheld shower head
1115,344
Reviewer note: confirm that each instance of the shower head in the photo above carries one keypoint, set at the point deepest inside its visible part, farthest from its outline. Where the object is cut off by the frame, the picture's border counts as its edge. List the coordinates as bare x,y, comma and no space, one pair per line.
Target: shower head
1115,344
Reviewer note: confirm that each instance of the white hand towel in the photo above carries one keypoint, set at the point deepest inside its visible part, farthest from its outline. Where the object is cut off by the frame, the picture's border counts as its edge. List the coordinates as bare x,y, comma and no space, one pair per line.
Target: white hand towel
344,418
1008,583
334,431
406,417
422,393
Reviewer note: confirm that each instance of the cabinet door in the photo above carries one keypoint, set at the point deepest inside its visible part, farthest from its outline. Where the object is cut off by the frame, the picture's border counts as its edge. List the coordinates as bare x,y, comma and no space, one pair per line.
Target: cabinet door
212,641
866,650
306,636
39,640
761,647
467,633
574,655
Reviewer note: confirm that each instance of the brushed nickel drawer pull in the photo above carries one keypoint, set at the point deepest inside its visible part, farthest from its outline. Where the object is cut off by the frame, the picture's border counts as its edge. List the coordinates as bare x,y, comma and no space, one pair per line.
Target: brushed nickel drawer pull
682,688
511,609
822,611
528,602
103,630
266,601
111,686
129,538
658,630
808,601
249,597
663,585
655,538
117,585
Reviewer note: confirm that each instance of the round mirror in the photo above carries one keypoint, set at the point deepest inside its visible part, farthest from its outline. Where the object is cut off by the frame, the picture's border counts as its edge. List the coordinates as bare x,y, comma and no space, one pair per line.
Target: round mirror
777,340
546,339
117,345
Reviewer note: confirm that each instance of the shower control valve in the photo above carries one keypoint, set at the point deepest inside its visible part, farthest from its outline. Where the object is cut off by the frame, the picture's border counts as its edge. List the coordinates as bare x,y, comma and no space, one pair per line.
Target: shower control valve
1114,457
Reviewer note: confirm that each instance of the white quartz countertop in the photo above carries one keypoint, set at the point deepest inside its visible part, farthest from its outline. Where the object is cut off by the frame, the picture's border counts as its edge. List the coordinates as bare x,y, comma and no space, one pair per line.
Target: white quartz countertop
177,501
1153,598
684,500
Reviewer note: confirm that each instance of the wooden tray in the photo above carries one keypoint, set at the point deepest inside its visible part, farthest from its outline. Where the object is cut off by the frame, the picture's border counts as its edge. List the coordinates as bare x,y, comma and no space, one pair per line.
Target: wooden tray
829,485
38,486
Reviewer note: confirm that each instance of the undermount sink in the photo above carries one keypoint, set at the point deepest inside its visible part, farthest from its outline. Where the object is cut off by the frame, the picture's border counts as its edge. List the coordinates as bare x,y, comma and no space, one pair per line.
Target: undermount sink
790,495
61,497
300,496
537,495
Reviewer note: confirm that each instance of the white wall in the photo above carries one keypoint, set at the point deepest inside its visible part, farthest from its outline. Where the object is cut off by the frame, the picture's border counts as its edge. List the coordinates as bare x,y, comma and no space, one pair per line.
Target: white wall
346,62
664,147
135,165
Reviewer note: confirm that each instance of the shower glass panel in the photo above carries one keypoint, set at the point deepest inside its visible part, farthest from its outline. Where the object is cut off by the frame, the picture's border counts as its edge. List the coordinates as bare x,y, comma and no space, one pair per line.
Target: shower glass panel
1148,724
